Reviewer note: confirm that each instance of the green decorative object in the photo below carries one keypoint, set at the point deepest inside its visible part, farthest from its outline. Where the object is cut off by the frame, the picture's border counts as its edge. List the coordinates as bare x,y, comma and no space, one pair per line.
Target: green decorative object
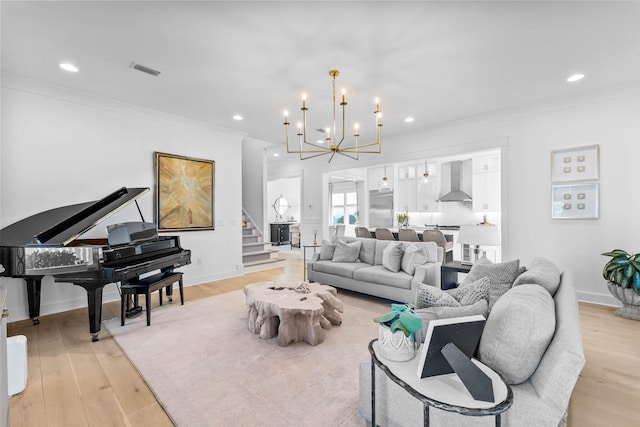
403,219
623,275
400,318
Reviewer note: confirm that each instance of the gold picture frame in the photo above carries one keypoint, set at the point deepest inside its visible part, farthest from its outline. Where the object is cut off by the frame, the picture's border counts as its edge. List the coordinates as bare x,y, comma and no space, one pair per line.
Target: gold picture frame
575,164
184,193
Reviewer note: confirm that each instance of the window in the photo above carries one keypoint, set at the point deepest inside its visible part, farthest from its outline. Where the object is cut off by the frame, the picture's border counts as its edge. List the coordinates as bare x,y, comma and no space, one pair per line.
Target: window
344,203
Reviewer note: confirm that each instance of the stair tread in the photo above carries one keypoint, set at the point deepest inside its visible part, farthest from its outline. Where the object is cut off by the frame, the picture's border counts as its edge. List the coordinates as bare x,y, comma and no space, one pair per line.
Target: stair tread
257,253
268,261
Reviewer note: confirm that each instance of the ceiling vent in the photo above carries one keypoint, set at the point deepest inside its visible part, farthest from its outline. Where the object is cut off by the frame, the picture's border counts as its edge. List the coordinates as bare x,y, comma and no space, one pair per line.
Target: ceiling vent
144,69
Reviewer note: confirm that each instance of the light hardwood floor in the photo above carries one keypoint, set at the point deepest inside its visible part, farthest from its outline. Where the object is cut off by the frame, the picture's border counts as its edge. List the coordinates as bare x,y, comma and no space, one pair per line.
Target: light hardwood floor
74,382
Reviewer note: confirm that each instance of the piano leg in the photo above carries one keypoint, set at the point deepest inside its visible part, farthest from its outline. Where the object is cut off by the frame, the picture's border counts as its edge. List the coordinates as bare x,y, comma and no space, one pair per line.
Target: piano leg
34,286
94,304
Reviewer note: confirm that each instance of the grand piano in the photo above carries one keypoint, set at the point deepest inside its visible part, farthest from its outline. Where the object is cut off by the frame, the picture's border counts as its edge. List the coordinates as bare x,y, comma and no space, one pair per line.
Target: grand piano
49,243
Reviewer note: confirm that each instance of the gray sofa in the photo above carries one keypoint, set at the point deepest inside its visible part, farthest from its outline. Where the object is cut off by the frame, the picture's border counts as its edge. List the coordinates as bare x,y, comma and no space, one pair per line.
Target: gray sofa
367,274
541,400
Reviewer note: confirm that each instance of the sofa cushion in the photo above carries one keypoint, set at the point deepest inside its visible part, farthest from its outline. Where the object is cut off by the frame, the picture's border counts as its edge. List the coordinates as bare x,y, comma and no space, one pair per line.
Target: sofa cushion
471,293
327,250
430,296
378,275
431,313
381,245
343,269
430,248
541,272
518,331
367,250
501,275
392,257
413,257
346,252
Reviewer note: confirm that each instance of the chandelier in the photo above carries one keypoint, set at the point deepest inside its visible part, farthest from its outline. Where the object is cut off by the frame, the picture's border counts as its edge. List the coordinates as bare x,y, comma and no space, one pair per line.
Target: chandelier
308,150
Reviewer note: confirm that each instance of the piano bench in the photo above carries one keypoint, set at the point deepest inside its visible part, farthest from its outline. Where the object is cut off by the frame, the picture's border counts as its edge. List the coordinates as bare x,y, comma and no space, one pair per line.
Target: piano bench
148,285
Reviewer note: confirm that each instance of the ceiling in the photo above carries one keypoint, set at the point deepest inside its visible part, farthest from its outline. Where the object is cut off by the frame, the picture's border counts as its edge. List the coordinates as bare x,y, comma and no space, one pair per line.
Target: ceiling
435,61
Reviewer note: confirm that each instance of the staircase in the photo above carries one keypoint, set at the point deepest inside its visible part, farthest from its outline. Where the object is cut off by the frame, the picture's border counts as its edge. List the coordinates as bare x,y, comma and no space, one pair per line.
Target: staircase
256,253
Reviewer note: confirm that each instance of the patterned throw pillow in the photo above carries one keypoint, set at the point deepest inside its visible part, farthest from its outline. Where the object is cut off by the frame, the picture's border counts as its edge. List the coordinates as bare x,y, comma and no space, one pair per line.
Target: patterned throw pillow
327,251
471,293
392,257
501,277
413,257
346,252
430,296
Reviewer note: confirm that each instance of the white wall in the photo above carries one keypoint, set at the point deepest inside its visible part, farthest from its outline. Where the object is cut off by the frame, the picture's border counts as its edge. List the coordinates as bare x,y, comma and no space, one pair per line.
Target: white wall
61,147
526,137
254,179
289,188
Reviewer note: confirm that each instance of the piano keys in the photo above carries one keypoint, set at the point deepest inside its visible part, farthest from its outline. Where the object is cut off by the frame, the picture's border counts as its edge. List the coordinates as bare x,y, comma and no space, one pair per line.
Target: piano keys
49,244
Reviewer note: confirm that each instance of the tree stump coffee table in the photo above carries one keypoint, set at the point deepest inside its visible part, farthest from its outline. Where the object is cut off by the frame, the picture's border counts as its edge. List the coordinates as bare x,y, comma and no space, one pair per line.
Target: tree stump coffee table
292,311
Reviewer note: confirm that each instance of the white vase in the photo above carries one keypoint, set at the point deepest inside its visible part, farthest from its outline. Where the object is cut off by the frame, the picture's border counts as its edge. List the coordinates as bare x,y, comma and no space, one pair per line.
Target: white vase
395,346
630,301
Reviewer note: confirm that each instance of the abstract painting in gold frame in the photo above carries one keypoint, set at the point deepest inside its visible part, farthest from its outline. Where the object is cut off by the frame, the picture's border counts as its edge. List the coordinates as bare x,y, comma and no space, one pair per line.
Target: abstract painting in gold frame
184,193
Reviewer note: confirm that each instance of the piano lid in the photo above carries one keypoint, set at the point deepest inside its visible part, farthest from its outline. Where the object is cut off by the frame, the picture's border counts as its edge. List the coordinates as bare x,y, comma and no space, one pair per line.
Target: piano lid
60,226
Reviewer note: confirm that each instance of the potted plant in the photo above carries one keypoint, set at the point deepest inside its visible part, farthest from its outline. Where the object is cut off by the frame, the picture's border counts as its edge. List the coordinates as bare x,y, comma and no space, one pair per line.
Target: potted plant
622,273
403,219
396,332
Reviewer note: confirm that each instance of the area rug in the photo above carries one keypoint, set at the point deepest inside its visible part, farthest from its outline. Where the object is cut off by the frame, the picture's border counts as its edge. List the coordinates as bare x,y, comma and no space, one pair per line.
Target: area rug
207,369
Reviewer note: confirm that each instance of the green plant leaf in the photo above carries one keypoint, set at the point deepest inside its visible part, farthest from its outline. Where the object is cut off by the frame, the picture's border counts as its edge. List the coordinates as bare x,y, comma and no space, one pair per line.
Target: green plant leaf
399,308
636,281
386,317
410,321
398,326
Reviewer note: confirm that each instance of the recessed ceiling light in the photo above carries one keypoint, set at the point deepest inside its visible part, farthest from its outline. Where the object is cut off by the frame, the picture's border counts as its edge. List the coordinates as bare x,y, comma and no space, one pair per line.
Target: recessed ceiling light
237,117
276,155
319,141
68,67
575,77
409,119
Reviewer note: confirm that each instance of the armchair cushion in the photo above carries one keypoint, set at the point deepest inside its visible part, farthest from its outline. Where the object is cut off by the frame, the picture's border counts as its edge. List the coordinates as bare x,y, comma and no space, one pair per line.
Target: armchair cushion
430,296
471,293
518,332
501,276
541,272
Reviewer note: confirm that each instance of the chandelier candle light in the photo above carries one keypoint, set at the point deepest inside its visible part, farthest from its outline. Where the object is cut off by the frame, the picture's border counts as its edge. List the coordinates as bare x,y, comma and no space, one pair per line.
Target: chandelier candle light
308,150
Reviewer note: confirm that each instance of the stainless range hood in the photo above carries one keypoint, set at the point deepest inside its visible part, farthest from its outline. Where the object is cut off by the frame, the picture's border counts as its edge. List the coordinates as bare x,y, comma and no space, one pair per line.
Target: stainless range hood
456,194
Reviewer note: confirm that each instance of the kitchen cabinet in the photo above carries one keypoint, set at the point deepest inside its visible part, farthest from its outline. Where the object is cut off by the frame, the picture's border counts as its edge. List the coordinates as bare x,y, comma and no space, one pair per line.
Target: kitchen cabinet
413,194
486,183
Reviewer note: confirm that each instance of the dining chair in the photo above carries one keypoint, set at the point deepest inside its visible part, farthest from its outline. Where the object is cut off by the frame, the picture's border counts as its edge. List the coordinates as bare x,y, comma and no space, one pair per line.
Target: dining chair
336,230
363,232
438,237
384,234
408,235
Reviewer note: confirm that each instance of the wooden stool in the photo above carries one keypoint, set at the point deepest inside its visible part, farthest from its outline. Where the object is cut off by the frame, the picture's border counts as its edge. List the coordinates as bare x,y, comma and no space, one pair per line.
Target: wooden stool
146,286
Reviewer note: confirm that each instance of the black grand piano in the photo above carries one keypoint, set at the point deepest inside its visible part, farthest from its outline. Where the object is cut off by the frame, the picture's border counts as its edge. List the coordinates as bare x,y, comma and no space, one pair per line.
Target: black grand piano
48,244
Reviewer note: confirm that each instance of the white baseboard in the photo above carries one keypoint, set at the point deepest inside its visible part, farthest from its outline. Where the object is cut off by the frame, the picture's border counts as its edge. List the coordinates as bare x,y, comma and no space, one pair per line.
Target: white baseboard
594,298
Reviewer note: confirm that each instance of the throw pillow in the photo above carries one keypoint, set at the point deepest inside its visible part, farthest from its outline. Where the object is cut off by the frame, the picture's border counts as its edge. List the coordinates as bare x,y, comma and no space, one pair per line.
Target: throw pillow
518,332
413,257
327,251
471,293
392,257
430,296
501,277
346,252
431,313
541,272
